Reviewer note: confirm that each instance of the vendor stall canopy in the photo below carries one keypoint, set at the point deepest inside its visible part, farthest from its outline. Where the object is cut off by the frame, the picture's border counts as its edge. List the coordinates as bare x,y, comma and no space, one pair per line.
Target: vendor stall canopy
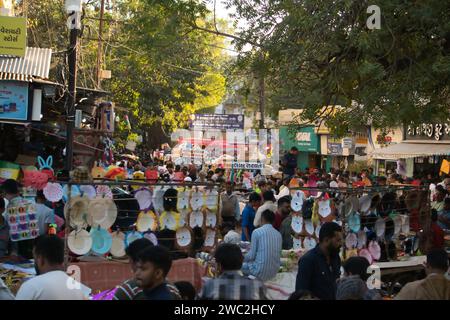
35,64
411,150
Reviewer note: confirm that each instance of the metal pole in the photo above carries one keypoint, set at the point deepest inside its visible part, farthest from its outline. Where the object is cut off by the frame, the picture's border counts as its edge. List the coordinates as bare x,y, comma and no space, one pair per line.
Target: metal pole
100,44
72,60
261,100
67,227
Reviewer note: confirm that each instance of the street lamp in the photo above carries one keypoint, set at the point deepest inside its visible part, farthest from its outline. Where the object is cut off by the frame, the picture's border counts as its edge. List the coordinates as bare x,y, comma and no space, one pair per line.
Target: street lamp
73,5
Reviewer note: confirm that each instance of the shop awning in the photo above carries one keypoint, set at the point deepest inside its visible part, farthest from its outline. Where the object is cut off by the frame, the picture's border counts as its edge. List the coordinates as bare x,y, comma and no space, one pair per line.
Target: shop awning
35,64
412,150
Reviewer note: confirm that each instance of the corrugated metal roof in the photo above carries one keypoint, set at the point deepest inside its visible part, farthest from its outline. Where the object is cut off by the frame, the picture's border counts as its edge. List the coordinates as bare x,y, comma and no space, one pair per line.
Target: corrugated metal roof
36,63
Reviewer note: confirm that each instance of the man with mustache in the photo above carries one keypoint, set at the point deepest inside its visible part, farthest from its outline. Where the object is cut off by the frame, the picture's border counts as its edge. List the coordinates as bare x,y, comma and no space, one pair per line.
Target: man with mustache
320,267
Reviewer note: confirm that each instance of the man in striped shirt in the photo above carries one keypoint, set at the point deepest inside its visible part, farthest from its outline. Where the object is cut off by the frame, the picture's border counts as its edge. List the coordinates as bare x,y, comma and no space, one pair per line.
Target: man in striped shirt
129,290
263,259
231,284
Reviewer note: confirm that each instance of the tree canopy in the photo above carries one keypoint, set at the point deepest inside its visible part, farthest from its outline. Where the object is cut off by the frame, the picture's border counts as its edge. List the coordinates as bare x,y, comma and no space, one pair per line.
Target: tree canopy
321,53
162,69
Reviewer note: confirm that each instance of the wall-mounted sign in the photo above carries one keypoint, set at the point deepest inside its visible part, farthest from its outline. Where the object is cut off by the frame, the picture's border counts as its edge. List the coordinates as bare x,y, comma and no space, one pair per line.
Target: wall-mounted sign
13,100
216,121
334,149
13,36
347,143
303,136
428,131
247,165
305,139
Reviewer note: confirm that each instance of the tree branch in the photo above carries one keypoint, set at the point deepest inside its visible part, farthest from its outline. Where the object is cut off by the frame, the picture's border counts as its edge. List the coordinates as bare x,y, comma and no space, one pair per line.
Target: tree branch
224,34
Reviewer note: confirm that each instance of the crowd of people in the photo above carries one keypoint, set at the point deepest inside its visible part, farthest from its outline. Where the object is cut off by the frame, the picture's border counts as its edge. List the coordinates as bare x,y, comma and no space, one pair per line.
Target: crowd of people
264,222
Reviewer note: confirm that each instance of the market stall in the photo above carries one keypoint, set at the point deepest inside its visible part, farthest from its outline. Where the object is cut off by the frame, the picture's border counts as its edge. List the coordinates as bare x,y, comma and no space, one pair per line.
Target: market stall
102,218
386,225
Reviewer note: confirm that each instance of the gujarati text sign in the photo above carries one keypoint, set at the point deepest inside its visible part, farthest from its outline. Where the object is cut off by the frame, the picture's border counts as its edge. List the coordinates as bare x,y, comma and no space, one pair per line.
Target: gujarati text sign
13,36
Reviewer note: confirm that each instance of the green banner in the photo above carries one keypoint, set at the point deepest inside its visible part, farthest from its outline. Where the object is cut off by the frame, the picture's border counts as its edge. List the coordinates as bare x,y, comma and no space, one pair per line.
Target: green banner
13,36
305,139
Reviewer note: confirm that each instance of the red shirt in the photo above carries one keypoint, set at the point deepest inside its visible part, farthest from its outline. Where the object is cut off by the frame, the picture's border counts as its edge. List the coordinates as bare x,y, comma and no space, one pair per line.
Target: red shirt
438,235
151,176
278,220
416,183
358,184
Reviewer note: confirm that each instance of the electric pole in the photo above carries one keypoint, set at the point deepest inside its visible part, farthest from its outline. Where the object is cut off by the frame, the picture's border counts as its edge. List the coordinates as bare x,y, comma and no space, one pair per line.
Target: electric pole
100,45
74,23
262,91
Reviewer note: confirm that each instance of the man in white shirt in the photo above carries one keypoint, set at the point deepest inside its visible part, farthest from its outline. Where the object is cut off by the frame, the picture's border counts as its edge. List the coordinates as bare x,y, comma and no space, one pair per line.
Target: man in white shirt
284,189
269,204
51,282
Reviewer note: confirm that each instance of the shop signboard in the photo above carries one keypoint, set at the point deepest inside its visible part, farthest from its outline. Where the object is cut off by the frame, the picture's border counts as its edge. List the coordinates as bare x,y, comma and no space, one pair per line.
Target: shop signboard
305,139
347,143
13,36
334,149
216,121
428,132
13,100
247,166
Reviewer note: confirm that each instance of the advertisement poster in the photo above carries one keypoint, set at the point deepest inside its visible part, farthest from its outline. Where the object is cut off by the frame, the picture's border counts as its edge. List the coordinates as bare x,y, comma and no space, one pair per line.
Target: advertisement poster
216,121
13,36
335,149
13,100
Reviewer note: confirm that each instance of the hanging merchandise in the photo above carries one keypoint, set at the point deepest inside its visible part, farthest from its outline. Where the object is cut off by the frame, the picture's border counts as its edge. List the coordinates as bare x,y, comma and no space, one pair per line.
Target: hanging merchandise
152,237
354,222
196,200
366,254
53,192
79,242
158,199
102,212
22,219
78,211
9,170
101,240
169,220
297,200
210,239
196,219
35,179
211,199
374,250
184,238
97,171
147,220
362,239
108,155
132,236
118,245
211,219
183,199
309,227
296,243
351,241
309,243
74,192
297,223
45,166
104,192
88,191
144,198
